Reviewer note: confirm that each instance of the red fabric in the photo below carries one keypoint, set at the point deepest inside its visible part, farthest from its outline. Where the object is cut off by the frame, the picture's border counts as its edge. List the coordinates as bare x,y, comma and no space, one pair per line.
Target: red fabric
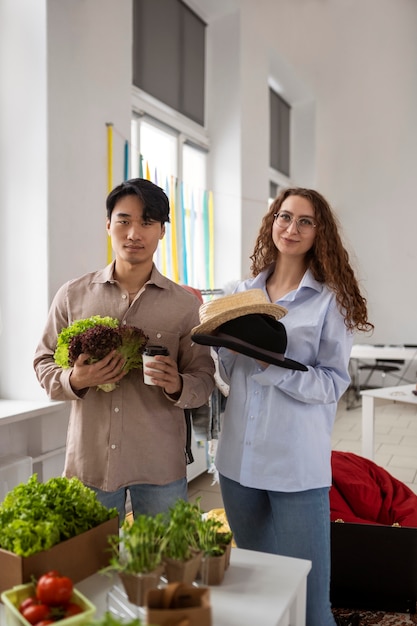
363,492
196,292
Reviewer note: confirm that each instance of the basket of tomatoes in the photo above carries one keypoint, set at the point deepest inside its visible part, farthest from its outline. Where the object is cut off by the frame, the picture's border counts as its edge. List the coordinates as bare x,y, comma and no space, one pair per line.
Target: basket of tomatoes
50,600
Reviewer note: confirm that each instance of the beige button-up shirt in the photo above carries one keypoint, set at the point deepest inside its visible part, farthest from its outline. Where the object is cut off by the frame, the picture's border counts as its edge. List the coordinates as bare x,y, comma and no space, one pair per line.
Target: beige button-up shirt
136,433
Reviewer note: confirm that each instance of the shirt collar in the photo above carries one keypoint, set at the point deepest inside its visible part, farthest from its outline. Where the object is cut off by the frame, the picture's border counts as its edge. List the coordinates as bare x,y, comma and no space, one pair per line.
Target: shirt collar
308,281
106,275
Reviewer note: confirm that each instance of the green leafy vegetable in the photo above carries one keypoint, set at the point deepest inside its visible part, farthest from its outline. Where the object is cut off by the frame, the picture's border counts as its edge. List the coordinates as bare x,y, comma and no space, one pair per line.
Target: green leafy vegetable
139,546
97,336
35,516
61,355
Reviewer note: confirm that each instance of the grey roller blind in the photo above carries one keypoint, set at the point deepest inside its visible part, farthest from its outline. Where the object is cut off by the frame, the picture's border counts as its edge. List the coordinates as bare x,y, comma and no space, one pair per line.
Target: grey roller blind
169,55
280,112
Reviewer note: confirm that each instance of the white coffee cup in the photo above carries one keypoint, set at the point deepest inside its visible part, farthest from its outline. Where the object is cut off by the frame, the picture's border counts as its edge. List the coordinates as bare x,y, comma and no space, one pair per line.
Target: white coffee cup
149,356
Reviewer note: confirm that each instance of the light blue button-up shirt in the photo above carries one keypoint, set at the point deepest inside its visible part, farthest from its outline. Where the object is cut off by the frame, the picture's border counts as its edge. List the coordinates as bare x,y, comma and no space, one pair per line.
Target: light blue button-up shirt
276,432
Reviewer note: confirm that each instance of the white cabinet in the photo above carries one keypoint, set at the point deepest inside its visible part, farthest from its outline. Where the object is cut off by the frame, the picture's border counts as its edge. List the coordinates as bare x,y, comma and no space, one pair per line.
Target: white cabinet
39,430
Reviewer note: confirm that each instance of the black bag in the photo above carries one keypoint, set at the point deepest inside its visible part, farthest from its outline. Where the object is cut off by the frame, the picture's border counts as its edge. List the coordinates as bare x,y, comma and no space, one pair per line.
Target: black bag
204,421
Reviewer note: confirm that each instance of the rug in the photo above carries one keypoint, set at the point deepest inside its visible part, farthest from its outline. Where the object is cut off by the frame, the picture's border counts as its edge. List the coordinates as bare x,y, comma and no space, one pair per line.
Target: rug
379,618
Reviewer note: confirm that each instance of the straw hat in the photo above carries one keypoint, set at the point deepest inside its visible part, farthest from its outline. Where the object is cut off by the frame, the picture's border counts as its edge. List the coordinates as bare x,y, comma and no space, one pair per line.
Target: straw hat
220,310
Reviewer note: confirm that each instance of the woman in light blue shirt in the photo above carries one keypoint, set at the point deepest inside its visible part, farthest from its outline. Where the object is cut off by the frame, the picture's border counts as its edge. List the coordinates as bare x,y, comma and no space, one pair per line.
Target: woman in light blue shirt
274,452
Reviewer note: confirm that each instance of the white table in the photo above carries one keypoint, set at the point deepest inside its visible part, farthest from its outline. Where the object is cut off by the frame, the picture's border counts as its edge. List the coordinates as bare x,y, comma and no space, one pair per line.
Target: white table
258,588
369,352
372,398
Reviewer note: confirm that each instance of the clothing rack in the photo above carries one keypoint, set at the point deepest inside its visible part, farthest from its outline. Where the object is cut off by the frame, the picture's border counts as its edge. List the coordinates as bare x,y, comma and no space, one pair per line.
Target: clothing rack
212,292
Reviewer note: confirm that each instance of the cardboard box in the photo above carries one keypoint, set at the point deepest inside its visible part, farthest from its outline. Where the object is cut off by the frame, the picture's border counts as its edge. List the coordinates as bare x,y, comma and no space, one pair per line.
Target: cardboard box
14,597
186,602
374,567
77,558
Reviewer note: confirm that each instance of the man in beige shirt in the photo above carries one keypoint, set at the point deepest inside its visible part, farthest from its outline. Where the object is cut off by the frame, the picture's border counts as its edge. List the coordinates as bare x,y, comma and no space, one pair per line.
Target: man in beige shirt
132,438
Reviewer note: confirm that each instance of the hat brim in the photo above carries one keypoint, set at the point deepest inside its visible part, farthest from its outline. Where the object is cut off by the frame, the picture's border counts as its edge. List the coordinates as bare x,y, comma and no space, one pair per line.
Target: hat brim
223,340
273,310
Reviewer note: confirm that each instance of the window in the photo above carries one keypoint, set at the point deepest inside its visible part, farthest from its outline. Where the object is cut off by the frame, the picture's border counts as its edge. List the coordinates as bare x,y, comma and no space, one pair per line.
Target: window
173,162
169,55
280,114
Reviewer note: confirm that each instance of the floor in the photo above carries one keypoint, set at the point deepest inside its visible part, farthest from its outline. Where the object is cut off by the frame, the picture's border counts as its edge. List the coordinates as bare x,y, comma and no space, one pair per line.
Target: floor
395,447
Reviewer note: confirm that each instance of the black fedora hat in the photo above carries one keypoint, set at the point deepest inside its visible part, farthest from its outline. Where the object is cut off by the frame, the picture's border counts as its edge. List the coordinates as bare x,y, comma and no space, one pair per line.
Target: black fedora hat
257,335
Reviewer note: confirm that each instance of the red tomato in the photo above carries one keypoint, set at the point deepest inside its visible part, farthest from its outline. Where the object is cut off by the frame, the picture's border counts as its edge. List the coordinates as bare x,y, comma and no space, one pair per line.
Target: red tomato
27,603
72,608
45,622
35,613
54,589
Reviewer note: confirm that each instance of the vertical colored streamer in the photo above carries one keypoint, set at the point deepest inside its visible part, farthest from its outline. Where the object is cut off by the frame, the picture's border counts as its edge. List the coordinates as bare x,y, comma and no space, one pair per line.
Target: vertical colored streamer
164,243
109,179
184,237
174,234
192,238
206,239
211,239
126,161
168,235
199,253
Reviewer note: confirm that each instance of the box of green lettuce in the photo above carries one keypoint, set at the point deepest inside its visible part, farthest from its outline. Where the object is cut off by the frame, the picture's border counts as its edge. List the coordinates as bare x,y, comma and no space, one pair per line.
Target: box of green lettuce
77,558
54,525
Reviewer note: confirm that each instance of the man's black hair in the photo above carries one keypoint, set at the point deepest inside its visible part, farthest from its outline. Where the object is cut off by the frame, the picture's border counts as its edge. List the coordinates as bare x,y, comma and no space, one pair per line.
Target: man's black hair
155,200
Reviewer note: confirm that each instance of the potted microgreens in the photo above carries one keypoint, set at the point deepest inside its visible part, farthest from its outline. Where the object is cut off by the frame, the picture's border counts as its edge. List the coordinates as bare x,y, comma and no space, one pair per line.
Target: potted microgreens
183,554
214,545
137,553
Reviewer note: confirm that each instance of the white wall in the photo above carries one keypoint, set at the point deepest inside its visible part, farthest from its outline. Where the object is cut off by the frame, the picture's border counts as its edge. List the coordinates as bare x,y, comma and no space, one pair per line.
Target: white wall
360,60
23,190
348,68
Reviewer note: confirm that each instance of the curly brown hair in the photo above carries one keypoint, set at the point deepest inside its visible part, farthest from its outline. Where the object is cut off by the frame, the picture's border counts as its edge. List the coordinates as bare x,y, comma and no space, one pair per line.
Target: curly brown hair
328,260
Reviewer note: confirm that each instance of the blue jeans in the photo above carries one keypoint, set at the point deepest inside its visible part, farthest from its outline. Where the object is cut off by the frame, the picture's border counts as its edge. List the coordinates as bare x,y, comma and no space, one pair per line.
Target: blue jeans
291,524
145,499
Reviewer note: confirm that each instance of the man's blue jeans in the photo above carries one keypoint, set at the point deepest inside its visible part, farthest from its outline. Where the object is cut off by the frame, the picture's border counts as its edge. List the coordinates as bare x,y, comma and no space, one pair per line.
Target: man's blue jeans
291,524
145,499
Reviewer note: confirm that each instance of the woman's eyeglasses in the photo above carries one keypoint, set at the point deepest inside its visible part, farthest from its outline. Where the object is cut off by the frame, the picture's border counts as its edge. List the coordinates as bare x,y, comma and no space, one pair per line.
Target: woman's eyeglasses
304,225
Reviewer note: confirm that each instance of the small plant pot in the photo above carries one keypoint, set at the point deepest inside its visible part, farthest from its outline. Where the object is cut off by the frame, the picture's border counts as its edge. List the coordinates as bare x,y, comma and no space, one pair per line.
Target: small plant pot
138,585
182,571
227,553
212,569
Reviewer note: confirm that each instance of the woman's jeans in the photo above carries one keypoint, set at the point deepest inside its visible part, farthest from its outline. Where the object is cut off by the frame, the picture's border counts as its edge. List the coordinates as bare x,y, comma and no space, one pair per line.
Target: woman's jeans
145,499
291,524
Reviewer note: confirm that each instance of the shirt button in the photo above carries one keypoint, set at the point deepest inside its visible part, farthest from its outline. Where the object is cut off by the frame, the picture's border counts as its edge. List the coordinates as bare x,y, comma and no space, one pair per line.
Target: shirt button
124,296
159,335
252,417
113,447
124,322
116,410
